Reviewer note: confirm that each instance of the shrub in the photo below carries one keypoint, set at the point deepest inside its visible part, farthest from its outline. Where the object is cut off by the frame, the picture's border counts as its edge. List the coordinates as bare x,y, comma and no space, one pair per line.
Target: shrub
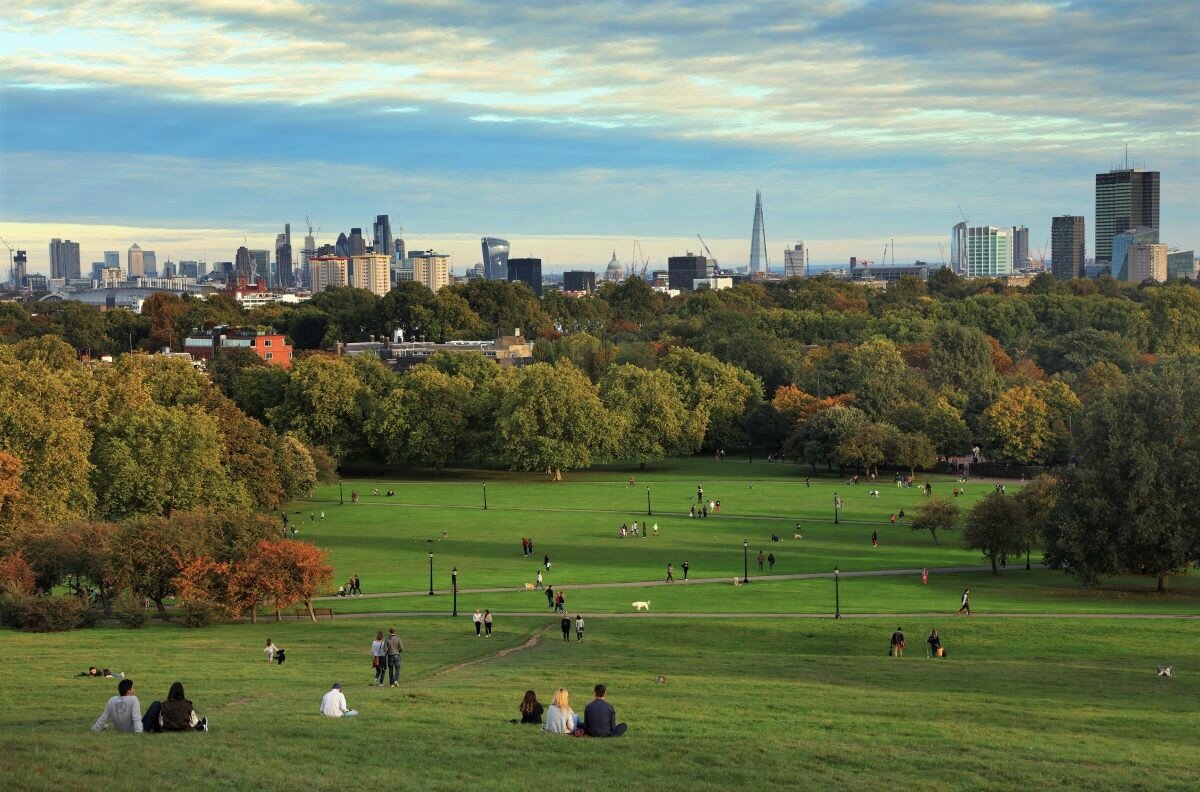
44,613
201,613
129,611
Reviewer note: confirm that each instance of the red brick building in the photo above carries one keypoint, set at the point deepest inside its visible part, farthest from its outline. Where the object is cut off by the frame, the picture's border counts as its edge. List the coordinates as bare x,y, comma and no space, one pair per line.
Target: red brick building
271,347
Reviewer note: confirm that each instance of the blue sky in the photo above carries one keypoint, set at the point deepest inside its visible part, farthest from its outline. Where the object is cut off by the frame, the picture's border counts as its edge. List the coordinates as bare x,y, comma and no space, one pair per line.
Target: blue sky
574,128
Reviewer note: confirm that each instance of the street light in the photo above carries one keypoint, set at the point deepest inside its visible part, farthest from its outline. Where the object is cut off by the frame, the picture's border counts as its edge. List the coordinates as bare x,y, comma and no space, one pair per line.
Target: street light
837,593
454,585
341,500
1027,555
649,513
431,574
750,452
837,507
745,561
485,496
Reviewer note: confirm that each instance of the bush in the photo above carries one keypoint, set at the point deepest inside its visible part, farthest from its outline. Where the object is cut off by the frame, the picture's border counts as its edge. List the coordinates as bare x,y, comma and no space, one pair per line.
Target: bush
129,611
43,613
201,614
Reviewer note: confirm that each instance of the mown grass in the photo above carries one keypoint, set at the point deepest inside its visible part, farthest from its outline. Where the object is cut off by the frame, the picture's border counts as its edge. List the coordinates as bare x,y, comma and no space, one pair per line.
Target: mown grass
766,703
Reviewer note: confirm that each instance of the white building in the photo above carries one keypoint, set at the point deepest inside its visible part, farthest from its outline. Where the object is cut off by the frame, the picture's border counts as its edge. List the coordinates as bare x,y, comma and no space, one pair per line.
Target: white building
431,269
1146,262
795,261
373,272
989,252
326,271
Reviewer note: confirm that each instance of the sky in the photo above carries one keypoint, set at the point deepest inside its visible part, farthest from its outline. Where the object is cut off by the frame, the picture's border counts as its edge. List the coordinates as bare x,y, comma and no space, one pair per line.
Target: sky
575,128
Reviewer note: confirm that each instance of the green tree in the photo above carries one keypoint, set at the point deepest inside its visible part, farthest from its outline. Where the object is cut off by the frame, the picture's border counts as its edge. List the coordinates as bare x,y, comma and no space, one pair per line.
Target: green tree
720,392
996,526
504,306
816,440
355,312
1018,425
153,551
657,424
324,404
424,421
961,358
552,419
867,447
911,450
935,514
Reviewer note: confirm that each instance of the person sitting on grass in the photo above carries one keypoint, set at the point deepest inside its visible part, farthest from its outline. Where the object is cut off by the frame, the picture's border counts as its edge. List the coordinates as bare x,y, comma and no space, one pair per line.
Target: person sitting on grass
599,717
531,709
333,704
175,714
560,719
123,711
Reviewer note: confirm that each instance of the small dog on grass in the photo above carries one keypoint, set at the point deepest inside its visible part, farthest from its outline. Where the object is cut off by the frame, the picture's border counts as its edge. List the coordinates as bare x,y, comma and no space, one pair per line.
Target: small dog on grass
737,581
642,605
529,587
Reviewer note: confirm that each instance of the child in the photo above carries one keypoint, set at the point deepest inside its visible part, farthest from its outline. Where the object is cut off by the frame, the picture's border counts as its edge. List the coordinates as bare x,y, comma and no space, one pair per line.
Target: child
270,651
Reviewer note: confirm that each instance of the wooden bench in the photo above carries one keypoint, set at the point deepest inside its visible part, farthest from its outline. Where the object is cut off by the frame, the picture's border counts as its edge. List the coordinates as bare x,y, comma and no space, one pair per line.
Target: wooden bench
302,613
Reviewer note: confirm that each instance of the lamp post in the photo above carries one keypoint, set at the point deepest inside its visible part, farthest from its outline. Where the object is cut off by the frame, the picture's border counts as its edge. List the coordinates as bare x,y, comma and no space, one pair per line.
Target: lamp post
341,500
454,585
836,508
649,513
837,593
750,452
485,496
431,574
745,561
1027,555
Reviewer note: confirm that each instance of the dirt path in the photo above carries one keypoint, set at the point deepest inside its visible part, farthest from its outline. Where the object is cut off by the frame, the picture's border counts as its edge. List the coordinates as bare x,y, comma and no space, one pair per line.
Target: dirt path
532,642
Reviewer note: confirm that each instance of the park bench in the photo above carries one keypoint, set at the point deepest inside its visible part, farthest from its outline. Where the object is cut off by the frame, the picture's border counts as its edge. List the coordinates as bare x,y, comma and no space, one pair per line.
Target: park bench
302,613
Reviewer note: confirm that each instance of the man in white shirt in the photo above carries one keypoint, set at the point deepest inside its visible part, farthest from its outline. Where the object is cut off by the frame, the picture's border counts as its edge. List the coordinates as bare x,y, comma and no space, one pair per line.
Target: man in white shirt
333,704
124,711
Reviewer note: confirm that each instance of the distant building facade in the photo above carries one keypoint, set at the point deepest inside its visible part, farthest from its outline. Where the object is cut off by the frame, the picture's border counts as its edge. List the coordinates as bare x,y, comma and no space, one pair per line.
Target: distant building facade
1146,261
133,262
527,271
683,271
989,252
373,272
1020,247
64,259
1124,199
383,241
759,261
433,269
495,258
1181,264
1067,240
271,347
795,261
326,271
579,281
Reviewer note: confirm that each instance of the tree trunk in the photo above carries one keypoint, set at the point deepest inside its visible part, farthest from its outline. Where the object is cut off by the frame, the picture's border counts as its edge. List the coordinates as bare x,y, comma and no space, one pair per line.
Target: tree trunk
934,532
995,571
162,610
641,465
311,616
1162,584
254,614
278,615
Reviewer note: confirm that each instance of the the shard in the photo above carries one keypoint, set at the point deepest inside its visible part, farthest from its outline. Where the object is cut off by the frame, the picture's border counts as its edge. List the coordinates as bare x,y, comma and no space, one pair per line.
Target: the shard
758,238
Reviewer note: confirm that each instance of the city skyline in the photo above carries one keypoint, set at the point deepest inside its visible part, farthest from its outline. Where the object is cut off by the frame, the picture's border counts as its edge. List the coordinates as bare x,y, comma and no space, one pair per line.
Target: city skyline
601,124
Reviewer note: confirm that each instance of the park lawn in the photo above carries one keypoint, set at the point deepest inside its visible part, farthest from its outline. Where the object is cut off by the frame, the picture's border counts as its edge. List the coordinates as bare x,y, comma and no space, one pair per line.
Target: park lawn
747,703
1013,591
386,541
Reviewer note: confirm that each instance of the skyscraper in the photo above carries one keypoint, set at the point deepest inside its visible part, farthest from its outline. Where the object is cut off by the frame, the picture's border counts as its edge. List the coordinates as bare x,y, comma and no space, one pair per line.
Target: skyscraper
1020,246
283,257
1067,247
1124,199
112,258
20,262
243,266
383,235
682,271
342,246
398,251
149,262
795,261
495,258
262,264
355,243
1146,261
64,258
759,260
134,262
373,272
528,271
958,248
1122,242
989,252
431,269
579,281
326,271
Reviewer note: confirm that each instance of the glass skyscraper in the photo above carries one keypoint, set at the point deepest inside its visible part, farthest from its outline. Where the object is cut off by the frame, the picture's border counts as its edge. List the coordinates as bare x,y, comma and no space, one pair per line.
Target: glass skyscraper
1125,199
495,258
383,243
989,252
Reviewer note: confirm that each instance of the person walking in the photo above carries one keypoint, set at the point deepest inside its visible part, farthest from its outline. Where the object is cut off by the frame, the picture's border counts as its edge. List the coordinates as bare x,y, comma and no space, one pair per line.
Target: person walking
760,560
524,546
566,627
539,580
550,596
378,658
670,577
925,576
270,651
684,567
771,561
874,539
393,646
477,619
487,623
966,602
546,561
578,627
559,602
898,643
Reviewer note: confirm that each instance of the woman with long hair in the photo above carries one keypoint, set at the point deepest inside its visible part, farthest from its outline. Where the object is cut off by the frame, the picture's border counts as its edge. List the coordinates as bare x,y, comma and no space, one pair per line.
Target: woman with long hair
531,708
378,661
560,719
177,713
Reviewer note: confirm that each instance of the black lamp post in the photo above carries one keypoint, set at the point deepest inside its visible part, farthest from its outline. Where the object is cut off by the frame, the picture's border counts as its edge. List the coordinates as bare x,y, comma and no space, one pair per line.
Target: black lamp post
1027,567
341,500
750,452
454,585
485,496
431,574
836,509
745,561
837,593
649,513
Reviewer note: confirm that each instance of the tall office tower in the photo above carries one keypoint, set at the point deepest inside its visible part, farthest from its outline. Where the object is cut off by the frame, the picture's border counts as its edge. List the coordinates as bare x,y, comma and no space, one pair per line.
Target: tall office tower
431,269
759,259
958,248
989,252
356,245
373,272
261,260
528,271
579,281
133,262
682,271
1020,246
112,258
384,243
97,267
20,265
1146,261
1181,264
64,258
243,265
283,257
1067,247
189,269
342,246
795,261
168,270
398,248
326,271
149,262
495,258
1122,242
1124,199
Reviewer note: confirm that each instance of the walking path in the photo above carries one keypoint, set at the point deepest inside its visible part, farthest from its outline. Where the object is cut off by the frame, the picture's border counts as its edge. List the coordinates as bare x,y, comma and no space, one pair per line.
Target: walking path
685,615
652,583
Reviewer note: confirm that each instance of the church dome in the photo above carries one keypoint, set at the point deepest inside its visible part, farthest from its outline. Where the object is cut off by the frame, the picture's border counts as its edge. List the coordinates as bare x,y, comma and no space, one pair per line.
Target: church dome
615,271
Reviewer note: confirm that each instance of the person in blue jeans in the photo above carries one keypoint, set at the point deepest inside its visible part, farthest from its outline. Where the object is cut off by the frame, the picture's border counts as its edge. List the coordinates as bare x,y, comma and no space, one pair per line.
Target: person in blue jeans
393,646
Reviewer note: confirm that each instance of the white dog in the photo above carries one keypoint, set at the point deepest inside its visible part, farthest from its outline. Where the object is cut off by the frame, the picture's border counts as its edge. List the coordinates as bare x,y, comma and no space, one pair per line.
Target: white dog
874,493
737,581
643,605
529,587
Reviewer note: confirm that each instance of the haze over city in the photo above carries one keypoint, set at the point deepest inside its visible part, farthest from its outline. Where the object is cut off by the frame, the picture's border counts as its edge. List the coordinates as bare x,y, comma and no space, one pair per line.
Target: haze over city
576,129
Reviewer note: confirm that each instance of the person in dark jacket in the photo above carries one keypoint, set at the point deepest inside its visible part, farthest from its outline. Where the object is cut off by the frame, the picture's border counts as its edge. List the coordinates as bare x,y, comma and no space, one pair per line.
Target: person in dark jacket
177,712
599,717
566,626
531,708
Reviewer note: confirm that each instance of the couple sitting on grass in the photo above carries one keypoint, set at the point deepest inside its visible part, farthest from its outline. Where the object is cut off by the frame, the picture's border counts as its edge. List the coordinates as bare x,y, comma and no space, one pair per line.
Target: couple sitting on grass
599,718
123,711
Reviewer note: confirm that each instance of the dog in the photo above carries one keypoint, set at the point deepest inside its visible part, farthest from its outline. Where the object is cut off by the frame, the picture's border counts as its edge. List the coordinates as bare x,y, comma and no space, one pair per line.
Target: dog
737,581
874,493
775,538
529,587
798,535
1165,671
642,605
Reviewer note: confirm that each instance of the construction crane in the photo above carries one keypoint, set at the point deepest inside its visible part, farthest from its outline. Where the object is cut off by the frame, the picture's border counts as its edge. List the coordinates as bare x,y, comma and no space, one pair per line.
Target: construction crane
942,250
709,252
639,257
964,215
12,268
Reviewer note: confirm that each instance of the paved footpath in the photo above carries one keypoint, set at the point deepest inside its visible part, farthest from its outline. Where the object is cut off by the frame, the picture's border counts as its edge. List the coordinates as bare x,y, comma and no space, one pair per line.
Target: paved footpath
684,615
681,582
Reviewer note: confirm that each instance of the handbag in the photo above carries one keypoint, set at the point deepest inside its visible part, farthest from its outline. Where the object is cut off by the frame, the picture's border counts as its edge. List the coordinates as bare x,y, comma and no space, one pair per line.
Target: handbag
375,661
